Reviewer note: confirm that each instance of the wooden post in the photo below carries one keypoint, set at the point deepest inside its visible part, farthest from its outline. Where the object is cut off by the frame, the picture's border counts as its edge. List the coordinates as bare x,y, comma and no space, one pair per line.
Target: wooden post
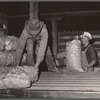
54,33
54,36
33,10
33,13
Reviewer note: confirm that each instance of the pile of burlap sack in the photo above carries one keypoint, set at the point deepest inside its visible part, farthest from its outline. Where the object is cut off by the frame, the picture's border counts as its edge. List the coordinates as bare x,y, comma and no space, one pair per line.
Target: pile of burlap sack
11,75
8,46
74,56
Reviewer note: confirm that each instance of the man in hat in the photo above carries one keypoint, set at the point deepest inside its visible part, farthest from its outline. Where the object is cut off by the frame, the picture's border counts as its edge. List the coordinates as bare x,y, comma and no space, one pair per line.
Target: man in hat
35,37
89,55
40,41
32,31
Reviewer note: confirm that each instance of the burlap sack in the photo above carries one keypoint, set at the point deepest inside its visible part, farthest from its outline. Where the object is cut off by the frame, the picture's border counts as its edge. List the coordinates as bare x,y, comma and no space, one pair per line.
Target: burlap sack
1,44
6,58
19,77
11,43
73,56
8,43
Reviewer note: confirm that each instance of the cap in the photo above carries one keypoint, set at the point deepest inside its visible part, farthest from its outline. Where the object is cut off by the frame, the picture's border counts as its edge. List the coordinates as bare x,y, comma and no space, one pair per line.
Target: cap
87,34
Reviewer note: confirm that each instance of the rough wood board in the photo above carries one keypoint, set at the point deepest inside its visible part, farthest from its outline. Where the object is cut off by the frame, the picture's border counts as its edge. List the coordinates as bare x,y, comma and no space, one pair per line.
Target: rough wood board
70,81
47,94
54,85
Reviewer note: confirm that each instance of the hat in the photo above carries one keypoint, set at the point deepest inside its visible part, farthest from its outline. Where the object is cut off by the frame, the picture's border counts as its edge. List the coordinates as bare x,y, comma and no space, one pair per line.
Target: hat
33,25
87,34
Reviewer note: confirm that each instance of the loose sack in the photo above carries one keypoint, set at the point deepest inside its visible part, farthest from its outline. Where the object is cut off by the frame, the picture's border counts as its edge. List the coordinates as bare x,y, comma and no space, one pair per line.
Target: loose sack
73,56
19,77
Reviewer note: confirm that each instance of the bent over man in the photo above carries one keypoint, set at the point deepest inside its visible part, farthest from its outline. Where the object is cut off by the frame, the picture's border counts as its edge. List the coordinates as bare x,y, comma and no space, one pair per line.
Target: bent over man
32,31
37,46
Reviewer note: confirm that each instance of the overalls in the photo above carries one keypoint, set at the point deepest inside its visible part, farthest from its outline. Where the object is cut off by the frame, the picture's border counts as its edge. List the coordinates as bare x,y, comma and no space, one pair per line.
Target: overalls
84,61
50,61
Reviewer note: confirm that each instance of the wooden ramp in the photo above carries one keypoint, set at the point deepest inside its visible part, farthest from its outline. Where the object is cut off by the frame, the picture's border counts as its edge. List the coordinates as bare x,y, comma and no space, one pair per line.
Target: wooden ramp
54,85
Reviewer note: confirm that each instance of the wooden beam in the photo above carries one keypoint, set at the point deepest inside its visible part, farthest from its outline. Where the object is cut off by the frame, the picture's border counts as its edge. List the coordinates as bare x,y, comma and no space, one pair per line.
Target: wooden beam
33,10
54,18
54,36
17,16
73,13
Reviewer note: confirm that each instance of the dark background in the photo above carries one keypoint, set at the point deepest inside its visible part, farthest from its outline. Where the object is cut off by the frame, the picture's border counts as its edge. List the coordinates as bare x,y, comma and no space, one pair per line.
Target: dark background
80,21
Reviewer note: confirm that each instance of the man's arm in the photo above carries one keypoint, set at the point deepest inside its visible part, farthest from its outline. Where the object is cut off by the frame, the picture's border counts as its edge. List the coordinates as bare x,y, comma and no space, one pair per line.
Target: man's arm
42,46
21,45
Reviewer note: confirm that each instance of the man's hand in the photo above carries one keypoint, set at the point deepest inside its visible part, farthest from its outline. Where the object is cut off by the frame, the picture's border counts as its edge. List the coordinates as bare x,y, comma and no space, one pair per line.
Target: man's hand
36,67
85,69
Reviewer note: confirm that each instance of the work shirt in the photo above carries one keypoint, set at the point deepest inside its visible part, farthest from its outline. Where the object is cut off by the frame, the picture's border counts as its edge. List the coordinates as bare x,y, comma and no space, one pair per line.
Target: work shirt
42,40
41,35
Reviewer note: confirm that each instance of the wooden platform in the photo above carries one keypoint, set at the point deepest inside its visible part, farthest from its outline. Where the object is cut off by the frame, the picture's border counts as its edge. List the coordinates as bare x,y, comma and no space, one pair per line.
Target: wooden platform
54,85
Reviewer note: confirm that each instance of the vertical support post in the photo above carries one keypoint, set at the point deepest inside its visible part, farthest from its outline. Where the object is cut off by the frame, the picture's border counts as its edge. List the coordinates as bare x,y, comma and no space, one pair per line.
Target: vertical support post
33,13
33,10
54,36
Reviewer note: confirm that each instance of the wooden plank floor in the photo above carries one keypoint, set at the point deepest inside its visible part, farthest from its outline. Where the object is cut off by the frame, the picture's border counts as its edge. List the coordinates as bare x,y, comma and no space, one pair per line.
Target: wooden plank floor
71,81
54,85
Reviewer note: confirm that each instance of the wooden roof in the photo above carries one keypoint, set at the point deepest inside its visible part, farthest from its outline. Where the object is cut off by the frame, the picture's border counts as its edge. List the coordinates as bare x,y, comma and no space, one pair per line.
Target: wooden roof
22,8
48,7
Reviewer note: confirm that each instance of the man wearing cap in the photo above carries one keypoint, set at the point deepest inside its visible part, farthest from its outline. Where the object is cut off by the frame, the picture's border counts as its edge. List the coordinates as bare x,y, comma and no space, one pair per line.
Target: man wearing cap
89,55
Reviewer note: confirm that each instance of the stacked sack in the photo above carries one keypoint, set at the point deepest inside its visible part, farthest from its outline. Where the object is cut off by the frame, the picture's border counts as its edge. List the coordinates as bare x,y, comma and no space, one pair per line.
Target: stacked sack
8,43
11,75
17,77
8,46
61,60
11,43
73,56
